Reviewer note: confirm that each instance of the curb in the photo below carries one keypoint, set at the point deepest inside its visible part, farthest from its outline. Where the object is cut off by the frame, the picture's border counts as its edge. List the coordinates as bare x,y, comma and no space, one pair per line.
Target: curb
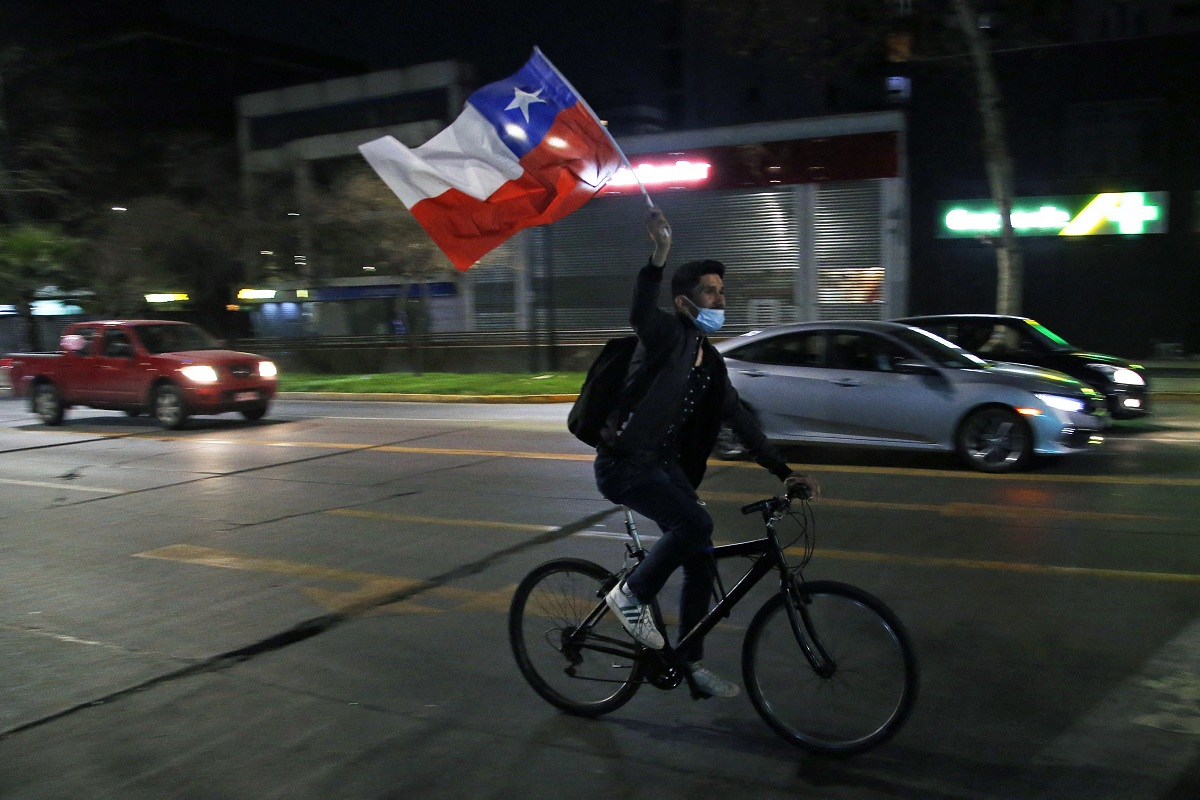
431,398
1156,397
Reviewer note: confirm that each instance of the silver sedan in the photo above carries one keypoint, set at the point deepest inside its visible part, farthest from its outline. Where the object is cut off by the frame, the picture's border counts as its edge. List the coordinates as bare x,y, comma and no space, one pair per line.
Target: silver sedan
890,385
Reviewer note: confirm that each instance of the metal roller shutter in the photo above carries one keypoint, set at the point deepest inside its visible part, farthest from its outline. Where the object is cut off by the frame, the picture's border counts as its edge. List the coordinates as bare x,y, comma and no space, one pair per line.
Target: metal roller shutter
847,246
582,267
595,253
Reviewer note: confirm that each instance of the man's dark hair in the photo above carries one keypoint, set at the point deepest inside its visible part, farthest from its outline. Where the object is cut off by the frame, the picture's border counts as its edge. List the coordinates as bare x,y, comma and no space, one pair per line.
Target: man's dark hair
687,277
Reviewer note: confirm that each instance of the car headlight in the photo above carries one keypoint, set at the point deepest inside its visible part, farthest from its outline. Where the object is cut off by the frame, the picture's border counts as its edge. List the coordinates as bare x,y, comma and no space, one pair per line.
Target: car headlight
1123,375
197,373
266,369
1060,402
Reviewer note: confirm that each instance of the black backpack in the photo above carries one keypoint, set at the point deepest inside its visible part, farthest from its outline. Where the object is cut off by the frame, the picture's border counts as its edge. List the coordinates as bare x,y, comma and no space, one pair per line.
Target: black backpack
602,389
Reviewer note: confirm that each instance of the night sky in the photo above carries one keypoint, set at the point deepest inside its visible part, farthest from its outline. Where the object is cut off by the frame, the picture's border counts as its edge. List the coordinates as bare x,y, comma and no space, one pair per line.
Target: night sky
608,47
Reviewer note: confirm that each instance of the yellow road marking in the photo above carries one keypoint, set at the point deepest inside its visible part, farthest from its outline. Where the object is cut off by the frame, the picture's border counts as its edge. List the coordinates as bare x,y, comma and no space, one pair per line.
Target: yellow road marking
370,588
371,591
1031,477
1034,477
955,509
1005,566
470,523
464,451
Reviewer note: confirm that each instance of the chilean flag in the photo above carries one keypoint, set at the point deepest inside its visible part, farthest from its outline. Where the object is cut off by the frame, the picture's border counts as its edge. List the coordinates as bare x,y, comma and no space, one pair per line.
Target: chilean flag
526,151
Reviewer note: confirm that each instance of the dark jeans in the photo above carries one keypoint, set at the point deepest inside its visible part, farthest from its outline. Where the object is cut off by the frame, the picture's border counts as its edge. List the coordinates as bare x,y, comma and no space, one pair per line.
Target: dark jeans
662,493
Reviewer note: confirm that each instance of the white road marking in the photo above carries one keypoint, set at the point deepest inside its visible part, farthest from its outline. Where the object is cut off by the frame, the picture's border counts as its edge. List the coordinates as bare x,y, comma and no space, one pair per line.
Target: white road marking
64,486
1134,743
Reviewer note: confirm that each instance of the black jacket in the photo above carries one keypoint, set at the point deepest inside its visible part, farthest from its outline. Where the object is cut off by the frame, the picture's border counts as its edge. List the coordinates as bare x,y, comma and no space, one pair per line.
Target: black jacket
655,387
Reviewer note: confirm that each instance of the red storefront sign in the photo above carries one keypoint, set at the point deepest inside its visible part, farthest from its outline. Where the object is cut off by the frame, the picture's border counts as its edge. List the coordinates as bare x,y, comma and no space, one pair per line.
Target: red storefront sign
853,157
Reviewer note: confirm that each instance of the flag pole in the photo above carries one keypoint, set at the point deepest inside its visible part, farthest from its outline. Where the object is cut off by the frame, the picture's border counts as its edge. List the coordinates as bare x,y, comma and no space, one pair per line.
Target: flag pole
603,127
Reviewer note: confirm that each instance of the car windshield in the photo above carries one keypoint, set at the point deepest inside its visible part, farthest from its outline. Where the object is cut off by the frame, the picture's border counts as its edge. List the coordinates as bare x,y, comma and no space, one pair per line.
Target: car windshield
1051,339
175,338
939,350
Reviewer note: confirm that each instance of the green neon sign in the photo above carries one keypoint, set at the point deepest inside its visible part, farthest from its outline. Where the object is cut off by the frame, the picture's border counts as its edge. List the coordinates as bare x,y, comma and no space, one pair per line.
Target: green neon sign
1107,213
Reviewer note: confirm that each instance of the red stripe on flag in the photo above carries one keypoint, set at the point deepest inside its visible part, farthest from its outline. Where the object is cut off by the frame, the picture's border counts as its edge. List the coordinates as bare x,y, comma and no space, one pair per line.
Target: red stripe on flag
561,174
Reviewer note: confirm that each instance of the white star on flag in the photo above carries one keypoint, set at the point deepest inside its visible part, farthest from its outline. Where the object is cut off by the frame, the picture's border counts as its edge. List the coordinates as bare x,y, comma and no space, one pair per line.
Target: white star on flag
522,100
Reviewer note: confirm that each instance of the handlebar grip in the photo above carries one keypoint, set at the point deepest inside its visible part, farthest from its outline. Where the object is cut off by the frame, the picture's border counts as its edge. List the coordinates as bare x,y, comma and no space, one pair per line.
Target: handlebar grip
759,506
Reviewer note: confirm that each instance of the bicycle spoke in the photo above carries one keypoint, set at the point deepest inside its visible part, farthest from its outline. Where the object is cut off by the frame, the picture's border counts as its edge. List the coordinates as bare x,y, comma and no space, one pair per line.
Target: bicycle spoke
867,688
569,648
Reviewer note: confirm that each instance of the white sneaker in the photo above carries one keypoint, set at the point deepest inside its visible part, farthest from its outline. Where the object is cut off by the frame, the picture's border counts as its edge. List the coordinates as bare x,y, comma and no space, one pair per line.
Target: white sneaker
711,683
635,617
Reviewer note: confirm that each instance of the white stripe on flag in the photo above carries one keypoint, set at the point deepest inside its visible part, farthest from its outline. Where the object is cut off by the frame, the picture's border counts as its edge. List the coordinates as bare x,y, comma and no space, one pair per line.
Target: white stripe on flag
468,156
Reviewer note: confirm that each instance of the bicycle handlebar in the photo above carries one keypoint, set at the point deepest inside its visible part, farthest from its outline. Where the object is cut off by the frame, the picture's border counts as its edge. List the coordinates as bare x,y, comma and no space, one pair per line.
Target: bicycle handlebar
775,504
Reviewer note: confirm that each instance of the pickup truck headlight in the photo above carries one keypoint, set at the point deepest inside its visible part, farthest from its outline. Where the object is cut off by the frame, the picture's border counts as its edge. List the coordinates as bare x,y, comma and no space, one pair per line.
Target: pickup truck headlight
197,373
266,369
1060,402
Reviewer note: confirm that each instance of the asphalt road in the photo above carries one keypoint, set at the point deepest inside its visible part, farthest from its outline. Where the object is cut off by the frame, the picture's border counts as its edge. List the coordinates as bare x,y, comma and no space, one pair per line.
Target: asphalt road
313,606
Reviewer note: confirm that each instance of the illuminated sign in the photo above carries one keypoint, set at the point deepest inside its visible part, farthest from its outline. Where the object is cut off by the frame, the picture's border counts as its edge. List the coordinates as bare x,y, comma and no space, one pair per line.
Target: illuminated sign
166,297
1080,215
676,174
256,294
761,165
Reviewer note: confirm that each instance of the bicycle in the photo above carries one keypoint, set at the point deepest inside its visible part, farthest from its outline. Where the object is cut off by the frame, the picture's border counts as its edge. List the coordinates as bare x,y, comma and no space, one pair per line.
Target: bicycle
827,665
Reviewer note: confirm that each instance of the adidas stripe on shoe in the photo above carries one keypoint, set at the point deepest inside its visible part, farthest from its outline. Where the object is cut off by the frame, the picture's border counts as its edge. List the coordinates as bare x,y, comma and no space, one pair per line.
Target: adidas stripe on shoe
635,617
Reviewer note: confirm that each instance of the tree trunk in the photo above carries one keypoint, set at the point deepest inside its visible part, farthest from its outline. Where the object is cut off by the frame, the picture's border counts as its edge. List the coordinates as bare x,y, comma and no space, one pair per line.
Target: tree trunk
997,158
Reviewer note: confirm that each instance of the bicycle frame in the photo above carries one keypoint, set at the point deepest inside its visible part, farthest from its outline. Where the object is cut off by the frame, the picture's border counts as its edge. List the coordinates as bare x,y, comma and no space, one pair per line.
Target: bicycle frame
769,558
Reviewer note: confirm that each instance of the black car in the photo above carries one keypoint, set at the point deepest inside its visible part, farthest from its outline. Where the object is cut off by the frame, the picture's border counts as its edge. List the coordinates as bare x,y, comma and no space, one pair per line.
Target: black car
1009,338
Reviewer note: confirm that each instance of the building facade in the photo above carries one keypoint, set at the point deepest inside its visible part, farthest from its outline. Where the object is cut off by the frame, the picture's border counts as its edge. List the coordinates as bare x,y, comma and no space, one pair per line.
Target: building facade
809,215
1102,136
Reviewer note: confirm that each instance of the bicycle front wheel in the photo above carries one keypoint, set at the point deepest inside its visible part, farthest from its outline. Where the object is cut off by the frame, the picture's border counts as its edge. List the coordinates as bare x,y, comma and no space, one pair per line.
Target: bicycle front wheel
570,648
848,704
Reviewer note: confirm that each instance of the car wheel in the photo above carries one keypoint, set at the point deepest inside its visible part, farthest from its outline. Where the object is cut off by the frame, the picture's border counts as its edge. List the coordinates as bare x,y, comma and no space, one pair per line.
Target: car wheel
169,409
994,439
255,412
47,404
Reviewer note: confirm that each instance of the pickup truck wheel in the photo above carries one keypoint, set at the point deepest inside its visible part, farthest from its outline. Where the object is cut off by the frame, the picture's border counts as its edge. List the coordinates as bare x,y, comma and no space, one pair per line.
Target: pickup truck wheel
47,404
169,409
255,412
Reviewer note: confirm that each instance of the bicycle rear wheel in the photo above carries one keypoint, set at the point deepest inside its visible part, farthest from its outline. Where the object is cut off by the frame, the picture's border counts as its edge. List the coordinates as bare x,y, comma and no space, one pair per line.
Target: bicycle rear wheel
867,692
585,669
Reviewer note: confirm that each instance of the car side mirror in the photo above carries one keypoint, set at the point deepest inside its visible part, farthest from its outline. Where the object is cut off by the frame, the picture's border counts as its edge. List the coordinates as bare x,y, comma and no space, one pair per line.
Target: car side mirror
72,343
914,367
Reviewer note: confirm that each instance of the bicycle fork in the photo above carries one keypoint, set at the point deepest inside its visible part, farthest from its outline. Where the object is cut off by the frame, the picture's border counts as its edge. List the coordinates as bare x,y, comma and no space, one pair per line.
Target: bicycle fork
803,629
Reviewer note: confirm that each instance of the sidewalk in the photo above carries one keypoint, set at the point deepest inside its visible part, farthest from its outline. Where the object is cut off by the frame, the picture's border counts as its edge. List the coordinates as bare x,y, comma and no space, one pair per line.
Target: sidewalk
1176,380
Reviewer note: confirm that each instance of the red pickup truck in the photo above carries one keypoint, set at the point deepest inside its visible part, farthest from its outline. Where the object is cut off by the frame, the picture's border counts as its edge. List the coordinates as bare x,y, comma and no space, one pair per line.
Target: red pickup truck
169,369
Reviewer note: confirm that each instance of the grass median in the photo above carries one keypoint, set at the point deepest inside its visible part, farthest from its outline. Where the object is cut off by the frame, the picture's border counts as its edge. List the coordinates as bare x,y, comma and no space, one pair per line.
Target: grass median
449,383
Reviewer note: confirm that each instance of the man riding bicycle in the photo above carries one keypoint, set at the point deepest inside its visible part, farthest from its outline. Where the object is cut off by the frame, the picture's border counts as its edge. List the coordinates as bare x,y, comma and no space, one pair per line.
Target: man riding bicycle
654,448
